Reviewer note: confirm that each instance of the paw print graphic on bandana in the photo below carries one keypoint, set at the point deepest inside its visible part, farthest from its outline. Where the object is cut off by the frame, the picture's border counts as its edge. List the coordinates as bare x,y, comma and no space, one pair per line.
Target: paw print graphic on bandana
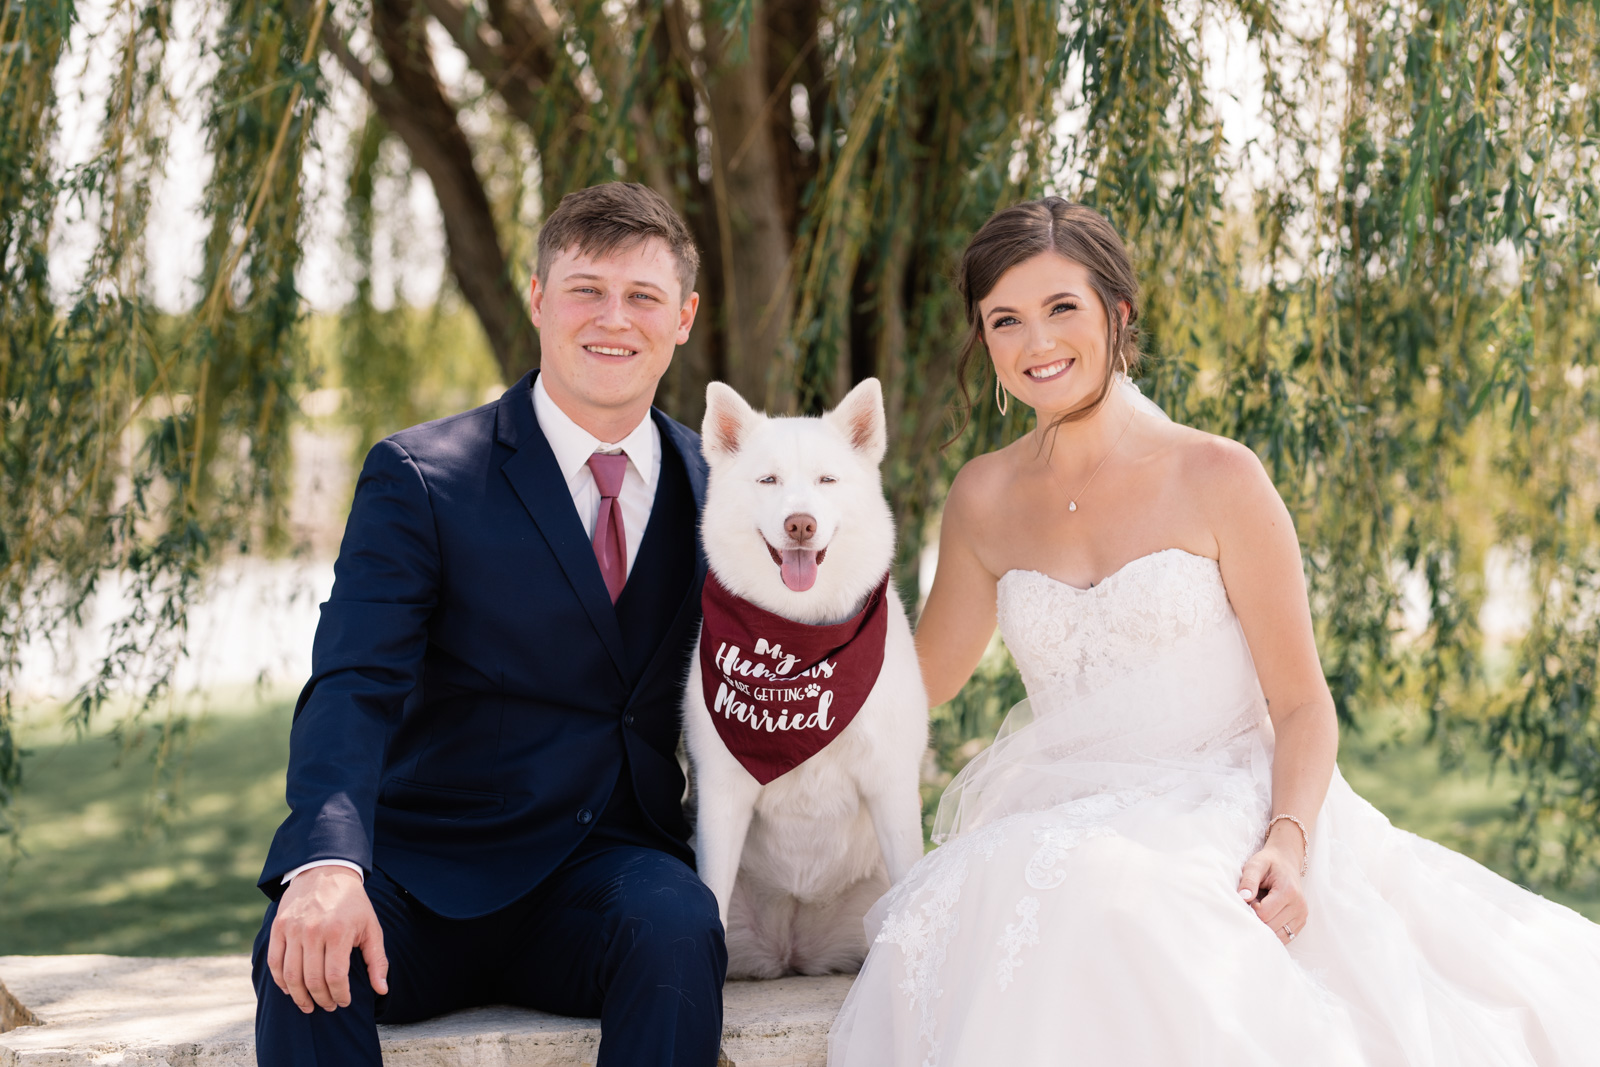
813,689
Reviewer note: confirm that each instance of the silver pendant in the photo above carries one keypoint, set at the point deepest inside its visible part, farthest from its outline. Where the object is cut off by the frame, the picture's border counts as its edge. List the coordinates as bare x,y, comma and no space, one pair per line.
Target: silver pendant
1072,505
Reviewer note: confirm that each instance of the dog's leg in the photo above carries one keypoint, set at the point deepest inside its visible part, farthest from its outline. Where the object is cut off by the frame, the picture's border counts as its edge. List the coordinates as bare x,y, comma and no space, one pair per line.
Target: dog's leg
896,810
723,819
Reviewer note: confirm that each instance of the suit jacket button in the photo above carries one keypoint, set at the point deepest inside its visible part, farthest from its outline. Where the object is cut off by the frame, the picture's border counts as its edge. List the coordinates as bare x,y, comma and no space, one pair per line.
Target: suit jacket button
585,816
627,720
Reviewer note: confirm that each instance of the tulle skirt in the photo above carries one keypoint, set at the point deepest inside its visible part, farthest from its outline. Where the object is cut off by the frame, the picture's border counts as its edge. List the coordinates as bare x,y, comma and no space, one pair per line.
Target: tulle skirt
1107,929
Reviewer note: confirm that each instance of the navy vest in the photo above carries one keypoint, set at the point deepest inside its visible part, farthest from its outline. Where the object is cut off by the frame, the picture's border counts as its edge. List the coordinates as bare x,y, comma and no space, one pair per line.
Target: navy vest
657,584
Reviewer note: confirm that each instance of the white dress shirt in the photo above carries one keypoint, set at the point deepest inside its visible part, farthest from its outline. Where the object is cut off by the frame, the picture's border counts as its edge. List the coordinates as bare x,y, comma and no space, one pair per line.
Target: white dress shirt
573,445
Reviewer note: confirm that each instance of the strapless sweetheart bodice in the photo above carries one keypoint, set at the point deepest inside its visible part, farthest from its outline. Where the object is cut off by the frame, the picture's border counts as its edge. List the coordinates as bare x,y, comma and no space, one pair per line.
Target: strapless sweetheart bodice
1060,634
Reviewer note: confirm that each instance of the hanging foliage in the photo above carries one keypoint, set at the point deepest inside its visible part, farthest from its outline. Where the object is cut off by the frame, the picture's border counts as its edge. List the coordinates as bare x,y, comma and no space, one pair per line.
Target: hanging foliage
135,445
1389,292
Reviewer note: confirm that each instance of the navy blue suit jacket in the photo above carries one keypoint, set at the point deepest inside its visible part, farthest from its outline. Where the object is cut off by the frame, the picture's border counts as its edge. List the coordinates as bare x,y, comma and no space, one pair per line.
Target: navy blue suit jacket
471,706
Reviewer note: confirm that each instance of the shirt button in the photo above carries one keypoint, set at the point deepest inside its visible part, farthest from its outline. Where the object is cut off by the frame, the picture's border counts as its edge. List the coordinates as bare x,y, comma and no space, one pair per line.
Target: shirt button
585,816
627,720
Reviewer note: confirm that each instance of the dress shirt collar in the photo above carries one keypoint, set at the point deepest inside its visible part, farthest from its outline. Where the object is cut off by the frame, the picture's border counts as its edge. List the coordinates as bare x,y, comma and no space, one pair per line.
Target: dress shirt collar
573,445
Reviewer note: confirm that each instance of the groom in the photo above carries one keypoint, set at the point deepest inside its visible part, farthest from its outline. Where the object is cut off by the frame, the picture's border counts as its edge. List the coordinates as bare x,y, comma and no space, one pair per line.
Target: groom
485,801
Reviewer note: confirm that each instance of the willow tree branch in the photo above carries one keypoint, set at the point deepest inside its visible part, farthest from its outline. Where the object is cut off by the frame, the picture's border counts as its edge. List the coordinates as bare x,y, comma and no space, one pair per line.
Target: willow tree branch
528,40
415,107
517,82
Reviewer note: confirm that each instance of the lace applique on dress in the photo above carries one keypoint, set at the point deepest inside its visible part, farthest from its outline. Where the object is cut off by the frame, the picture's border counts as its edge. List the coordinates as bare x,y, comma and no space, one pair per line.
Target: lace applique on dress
1068,827
1018,936
921,920
1054,843
1060,634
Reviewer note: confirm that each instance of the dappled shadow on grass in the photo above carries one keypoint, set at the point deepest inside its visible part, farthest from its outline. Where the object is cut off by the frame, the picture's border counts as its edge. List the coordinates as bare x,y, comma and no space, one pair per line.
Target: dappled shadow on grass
96,877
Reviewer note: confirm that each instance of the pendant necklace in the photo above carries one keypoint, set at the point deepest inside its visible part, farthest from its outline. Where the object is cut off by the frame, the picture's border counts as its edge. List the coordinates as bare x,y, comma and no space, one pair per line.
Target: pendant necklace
1072,501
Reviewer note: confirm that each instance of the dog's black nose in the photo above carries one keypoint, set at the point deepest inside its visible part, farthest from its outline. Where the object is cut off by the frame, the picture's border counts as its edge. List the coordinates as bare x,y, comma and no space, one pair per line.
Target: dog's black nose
800,528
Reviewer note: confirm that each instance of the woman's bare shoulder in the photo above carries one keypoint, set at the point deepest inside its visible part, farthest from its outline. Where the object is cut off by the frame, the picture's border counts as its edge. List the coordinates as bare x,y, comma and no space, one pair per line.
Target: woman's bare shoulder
1226,482
982,481
1210,461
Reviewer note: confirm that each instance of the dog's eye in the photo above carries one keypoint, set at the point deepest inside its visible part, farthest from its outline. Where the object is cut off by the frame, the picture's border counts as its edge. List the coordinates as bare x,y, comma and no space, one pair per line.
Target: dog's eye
827,479
771,479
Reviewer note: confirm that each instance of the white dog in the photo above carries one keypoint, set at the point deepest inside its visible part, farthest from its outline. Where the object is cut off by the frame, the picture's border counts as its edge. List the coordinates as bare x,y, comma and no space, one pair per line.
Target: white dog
795,524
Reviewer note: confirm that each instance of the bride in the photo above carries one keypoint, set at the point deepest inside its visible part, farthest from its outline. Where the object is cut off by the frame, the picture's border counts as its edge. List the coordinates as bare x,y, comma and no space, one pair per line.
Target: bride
1157,861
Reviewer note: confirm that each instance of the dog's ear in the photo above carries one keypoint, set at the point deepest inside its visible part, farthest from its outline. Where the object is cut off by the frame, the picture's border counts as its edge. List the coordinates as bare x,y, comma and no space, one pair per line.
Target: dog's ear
727,424
860,418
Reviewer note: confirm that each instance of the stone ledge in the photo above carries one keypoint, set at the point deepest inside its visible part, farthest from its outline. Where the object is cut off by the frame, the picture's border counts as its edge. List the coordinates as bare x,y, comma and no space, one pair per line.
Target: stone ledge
12,1012
126,1011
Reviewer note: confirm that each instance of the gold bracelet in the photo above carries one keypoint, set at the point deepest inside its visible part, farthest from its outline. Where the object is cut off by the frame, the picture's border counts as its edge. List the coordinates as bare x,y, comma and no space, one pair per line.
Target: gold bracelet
1305,859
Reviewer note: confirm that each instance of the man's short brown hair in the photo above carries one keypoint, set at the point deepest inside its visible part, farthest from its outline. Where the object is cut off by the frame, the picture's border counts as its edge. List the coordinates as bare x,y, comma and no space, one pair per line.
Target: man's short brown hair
614,217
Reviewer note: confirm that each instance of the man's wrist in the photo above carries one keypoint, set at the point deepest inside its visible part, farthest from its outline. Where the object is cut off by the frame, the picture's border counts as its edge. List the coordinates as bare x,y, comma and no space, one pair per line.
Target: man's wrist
324,863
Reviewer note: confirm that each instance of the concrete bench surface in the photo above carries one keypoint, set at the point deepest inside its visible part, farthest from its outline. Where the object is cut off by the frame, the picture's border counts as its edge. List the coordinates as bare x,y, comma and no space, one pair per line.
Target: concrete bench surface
128,1011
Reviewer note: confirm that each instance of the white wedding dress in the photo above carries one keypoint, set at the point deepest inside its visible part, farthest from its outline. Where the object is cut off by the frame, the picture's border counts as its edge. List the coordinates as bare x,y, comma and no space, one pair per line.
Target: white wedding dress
1083,907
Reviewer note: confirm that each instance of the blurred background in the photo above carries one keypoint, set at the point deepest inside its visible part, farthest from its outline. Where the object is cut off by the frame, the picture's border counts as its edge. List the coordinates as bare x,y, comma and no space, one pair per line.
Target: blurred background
240,240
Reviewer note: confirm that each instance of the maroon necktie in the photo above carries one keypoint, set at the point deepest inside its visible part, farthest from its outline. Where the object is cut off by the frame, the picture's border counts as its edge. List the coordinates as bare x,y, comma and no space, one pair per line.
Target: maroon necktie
610,543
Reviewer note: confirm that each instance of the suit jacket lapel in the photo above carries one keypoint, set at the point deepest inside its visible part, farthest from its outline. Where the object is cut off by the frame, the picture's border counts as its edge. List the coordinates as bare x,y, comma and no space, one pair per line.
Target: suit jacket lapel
538,482
677,439
687,445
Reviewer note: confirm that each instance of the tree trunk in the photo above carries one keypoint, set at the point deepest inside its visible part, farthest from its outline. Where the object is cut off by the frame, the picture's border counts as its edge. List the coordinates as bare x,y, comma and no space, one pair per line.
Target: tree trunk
671,106
748,188
414,105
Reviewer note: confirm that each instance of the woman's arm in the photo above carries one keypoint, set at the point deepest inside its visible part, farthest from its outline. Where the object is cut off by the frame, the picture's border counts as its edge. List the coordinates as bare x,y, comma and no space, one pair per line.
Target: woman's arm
959,618
1261,568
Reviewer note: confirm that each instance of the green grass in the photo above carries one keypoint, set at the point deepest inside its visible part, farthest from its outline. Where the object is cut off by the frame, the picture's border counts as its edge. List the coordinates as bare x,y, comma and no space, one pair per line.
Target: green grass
95,878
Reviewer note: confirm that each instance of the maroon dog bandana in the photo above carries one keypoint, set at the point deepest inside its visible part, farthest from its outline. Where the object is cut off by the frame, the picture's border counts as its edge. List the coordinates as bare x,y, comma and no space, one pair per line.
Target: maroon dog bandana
778,691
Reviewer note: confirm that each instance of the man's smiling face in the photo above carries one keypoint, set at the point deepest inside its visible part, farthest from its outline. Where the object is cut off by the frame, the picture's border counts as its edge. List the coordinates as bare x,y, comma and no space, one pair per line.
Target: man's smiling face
607,329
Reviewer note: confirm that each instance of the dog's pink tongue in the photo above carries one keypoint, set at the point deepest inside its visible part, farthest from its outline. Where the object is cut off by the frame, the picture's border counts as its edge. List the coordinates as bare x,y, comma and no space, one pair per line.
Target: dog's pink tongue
799,569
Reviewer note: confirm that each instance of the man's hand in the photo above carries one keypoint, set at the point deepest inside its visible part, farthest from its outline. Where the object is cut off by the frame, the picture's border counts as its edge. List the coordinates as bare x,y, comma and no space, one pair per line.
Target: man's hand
322,916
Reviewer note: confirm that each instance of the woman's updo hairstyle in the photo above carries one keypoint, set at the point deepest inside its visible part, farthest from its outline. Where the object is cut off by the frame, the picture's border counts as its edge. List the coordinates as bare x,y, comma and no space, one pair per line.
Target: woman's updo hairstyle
1081,234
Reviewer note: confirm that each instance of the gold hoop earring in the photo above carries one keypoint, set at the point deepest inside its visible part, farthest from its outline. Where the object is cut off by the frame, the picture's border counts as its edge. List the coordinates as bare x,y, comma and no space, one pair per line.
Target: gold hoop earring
1001,397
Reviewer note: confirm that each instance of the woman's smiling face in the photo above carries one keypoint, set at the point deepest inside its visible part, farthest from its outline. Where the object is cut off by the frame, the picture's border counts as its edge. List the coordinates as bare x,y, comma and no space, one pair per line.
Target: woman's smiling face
1045,329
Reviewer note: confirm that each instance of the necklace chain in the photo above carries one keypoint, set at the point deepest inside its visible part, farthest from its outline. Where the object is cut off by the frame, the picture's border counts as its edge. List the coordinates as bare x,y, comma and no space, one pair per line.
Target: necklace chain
1072,501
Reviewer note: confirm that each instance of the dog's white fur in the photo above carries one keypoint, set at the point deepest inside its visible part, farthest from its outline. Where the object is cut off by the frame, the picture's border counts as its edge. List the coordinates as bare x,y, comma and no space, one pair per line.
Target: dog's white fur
795,864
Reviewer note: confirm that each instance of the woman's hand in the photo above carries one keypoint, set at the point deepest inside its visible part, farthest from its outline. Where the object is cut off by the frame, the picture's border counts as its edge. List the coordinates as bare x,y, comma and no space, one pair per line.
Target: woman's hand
1270,884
